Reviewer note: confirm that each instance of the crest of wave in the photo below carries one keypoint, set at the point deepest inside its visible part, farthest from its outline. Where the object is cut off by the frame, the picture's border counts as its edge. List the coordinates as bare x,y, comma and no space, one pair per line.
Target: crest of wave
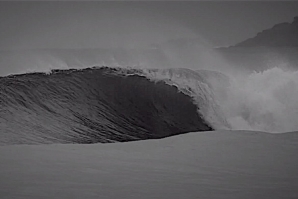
264,101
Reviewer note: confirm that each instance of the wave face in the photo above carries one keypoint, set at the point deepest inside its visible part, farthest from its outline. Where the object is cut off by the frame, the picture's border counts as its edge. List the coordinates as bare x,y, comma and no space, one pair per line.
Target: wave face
97,105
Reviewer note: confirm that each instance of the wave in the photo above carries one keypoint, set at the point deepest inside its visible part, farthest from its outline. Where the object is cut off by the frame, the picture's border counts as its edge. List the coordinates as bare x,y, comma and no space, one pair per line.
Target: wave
103,104
97,105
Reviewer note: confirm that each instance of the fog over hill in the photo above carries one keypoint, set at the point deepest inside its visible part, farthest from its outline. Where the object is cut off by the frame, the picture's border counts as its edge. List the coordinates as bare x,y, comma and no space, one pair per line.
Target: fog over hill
280,35
274,47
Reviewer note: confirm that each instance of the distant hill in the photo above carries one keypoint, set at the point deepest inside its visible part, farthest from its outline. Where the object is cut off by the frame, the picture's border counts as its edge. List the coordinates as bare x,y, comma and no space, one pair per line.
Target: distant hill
269,48
280,35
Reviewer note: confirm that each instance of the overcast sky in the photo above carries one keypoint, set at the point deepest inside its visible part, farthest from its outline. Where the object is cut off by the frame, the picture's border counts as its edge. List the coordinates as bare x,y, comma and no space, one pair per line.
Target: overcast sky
26,25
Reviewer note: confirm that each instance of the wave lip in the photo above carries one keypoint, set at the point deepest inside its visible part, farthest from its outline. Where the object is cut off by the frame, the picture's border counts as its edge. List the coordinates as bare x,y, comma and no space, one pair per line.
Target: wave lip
93,105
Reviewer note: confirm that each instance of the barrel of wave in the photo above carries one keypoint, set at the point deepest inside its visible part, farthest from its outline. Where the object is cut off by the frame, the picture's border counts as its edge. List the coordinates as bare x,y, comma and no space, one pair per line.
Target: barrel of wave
197,85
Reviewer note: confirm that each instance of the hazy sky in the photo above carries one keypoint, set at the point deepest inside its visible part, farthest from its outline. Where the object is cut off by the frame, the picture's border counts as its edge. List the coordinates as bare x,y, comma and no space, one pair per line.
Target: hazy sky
133,24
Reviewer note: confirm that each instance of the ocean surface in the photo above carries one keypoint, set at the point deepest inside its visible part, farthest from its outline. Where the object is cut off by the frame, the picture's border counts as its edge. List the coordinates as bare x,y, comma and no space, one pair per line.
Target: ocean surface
208,165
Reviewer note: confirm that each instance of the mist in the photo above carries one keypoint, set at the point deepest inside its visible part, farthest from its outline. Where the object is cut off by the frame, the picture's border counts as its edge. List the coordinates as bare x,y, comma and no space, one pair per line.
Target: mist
262,101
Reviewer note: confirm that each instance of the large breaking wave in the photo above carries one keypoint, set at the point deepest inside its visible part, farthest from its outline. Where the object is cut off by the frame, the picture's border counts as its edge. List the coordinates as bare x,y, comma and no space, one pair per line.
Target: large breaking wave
103,104
94,105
